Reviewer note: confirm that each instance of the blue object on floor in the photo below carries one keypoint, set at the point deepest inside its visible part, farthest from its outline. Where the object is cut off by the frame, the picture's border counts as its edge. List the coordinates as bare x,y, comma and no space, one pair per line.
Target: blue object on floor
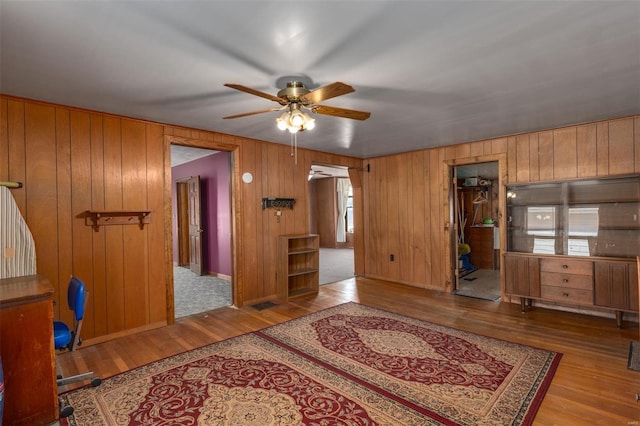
465,262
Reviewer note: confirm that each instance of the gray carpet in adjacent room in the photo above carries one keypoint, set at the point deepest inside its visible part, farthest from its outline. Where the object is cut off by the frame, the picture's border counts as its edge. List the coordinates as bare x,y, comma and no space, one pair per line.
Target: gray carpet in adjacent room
194,294
335,265
480,284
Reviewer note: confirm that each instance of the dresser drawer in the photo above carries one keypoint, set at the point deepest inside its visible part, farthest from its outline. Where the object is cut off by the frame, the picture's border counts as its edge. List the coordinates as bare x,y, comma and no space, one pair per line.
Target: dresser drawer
557,279
568,295
567,266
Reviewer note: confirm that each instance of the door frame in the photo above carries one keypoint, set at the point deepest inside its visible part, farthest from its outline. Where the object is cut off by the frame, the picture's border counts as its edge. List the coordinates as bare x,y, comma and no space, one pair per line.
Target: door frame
451,230
235,195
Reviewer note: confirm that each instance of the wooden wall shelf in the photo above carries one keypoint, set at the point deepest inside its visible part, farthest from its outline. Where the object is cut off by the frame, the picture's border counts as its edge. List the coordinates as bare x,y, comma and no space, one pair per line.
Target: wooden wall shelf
98,218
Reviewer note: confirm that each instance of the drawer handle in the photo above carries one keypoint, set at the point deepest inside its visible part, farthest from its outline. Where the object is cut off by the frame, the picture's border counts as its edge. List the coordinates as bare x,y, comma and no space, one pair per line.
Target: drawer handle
565,294
565,280
565,266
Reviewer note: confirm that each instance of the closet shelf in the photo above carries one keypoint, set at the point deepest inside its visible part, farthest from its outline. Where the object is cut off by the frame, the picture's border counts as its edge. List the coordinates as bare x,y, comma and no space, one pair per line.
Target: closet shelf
98,218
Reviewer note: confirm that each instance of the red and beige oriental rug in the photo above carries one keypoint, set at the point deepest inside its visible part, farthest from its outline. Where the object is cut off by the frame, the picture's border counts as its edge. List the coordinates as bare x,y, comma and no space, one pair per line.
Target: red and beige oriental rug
346,365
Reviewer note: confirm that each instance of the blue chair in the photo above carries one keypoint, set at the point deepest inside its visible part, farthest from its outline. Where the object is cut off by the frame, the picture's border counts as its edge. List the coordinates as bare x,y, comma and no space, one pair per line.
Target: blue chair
64,338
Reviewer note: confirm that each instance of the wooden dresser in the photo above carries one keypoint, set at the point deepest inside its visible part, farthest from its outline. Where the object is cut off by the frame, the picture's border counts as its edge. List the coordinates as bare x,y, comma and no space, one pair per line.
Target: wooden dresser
481,242
600,282
26,347
563,280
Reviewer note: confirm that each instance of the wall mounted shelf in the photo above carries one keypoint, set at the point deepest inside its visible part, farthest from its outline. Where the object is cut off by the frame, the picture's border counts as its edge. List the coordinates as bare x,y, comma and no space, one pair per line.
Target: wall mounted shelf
98,218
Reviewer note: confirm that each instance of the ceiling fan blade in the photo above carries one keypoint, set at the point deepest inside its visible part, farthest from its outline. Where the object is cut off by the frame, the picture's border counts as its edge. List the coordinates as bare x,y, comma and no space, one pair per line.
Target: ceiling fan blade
327,92
257,93
341,112
244,114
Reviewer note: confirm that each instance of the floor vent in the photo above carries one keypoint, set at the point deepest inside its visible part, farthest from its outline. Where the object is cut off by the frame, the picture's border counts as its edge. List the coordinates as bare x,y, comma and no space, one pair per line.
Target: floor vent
264,305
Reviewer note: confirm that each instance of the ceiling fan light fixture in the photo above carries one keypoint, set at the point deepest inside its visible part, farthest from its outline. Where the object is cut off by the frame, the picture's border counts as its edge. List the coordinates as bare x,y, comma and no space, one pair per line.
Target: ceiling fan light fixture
297,119
283,121
310,123
293,129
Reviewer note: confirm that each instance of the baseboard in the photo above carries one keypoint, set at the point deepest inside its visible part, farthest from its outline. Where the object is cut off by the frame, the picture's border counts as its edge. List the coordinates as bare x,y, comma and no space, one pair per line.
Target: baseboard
218,275
209,273
123,333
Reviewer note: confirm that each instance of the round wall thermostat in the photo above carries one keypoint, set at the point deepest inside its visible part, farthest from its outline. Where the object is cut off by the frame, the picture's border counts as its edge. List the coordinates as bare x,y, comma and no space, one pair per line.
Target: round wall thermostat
247,177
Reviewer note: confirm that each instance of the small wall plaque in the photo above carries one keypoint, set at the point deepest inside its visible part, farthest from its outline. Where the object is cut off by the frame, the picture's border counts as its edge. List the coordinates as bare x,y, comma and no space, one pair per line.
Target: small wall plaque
278,203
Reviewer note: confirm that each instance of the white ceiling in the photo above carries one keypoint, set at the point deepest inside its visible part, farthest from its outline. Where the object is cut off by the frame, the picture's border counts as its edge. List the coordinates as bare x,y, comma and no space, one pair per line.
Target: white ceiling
432,73
184,154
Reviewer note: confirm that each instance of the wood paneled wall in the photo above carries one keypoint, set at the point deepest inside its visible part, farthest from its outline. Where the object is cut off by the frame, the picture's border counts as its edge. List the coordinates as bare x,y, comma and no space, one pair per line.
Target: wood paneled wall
404,217
72,160
406,195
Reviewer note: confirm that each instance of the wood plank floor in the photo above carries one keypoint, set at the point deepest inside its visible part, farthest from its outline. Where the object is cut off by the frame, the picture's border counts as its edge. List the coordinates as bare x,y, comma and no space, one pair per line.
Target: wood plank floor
591,387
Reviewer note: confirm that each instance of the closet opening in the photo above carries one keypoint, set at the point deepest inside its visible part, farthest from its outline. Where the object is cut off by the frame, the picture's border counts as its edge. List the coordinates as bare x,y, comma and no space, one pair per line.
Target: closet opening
476,211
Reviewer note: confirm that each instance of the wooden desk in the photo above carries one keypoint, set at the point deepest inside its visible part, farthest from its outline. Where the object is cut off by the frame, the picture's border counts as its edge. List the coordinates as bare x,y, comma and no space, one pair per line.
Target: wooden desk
26,347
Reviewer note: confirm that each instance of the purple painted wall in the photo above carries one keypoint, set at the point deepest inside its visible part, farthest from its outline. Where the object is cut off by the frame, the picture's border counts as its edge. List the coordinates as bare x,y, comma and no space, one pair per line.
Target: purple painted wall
216,212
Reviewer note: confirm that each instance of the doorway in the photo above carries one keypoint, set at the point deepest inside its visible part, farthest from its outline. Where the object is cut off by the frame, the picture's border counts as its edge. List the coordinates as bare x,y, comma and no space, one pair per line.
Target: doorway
476,210
331,210
201,228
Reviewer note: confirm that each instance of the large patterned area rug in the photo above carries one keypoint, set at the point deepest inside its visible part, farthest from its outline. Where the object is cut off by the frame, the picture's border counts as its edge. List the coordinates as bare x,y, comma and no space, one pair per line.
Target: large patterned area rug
346,365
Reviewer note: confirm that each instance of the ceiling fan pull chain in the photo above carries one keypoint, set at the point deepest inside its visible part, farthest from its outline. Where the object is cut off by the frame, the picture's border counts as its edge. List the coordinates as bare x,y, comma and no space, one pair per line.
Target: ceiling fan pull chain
294,147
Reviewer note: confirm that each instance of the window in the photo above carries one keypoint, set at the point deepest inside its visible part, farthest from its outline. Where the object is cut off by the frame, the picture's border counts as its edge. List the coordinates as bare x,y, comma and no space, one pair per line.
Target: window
583,221
349,215
541,221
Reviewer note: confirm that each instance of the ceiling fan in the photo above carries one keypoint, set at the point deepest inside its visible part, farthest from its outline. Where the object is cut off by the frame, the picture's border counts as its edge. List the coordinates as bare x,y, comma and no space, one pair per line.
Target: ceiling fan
296,100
